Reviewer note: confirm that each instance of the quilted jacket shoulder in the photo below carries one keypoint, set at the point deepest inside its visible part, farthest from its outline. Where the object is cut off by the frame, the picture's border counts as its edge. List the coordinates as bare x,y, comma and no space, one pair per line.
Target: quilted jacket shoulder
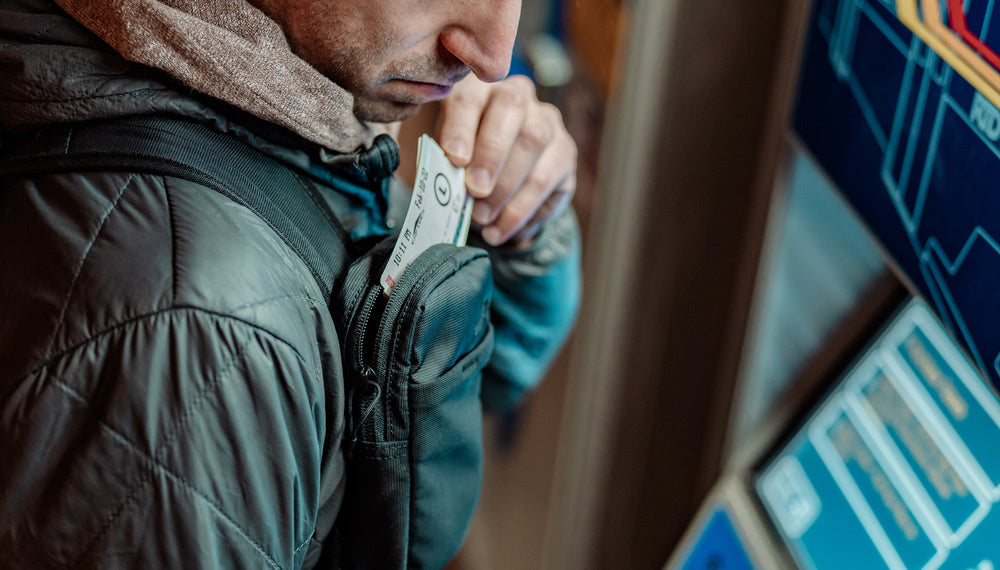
118,279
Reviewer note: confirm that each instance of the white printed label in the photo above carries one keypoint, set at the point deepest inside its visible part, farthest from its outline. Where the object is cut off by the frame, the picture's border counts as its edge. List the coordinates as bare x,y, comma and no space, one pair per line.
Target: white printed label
439,212
985,116
793,500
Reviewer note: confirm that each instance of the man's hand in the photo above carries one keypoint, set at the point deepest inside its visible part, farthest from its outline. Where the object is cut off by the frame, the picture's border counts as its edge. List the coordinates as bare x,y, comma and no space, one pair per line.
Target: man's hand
520,160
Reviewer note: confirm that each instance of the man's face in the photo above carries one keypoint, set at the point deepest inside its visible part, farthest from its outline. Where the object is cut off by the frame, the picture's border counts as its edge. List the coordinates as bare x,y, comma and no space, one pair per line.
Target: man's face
394,55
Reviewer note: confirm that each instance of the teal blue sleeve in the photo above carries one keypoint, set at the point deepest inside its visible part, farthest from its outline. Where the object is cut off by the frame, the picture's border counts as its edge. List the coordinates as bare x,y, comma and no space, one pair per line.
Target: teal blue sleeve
536,299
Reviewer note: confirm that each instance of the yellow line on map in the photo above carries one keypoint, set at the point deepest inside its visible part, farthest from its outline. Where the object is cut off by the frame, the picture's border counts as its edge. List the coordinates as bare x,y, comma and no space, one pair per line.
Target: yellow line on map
952,50
932,18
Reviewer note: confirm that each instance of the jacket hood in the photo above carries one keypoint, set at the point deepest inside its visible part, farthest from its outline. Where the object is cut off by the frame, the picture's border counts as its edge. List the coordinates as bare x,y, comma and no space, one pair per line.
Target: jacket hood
127,56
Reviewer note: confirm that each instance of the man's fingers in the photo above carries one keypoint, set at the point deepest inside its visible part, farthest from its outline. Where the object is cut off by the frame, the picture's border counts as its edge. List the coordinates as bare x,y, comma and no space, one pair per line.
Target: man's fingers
536,133
499,129
461,113
520,161
554,173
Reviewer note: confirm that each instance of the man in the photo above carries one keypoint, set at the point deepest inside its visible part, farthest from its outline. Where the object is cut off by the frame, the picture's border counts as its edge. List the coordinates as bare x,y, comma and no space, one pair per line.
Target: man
172,382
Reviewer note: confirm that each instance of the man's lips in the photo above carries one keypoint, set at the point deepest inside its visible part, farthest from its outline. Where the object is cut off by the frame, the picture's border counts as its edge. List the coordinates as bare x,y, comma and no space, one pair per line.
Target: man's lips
420,91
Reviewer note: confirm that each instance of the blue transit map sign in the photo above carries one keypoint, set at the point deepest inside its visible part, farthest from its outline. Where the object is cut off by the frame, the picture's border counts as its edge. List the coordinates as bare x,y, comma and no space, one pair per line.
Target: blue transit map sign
898,468
898,103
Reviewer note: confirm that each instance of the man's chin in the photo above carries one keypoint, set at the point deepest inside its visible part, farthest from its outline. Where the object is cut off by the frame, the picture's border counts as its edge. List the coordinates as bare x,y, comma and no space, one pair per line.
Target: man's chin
384,111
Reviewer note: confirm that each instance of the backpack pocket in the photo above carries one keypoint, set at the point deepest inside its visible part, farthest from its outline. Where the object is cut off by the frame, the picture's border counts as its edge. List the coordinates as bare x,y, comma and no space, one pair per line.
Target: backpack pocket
413,439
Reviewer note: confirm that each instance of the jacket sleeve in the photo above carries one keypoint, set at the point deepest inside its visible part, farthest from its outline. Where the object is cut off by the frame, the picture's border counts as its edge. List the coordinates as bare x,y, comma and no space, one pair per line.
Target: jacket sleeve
536,299
185,439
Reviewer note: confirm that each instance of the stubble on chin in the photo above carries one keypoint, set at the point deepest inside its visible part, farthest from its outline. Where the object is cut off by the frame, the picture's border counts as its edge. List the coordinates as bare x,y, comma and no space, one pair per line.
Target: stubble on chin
383,111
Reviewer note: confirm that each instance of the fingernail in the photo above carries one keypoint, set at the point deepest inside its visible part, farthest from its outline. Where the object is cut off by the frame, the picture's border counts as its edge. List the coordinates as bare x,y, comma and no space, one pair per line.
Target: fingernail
478,180
457,149
491,235
481,212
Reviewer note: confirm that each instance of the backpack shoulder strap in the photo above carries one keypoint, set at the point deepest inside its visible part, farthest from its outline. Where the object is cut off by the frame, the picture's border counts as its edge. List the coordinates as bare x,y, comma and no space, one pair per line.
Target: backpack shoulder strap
170,146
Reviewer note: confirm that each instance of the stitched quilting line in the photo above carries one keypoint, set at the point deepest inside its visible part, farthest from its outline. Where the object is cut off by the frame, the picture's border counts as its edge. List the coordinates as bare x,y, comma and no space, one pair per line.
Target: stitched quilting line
314,303
301,546
83,343
184,483
83,260
134,489
145,476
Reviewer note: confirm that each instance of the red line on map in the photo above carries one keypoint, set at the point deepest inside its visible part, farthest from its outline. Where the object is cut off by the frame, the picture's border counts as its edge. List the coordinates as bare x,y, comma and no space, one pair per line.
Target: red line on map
956,15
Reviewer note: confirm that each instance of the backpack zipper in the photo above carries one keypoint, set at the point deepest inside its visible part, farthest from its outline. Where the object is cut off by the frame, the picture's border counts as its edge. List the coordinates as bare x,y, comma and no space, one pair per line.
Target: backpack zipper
366,324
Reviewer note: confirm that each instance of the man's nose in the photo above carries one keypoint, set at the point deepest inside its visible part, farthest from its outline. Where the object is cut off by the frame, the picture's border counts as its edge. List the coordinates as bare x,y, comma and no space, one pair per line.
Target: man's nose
482,36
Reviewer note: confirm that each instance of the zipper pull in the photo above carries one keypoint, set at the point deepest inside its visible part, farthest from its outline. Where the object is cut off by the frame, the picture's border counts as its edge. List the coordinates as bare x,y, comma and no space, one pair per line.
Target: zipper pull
370,379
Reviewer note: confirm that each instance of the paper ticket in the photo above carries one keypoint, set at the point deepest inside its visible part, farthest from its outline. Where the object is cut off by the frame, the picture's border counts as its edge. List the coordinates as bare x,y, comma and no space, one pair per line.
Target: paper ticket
439,212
